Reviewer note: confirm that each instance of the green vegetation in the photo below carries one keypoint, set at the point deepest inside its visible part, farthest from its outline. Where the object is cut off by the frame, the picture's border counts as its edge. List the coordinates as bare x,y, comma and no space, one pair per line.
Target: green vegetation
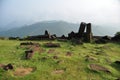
118,33
73,67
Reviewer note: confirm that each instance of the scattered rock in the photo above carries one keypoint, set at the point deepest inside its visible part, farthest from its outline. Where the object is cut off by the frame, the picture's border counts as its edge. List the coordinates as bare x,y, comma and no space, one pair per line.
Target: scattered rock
96,67
31,46
29,54
7,67
30,43
69,54
52,45
23,71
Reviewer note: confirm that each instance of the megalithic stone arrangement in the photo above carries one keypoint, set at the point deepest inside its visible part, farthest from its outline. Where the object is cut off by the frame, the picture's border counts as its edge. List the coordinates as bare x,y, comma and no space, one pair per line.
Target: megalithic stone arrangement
82,34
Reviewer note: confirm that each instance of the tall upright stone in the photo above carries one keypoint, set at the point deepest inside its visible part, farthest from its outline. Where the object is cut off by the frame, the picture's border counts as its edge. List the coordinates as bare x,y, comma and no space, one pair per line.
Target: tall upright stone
88,30
46,32
89,33
81,29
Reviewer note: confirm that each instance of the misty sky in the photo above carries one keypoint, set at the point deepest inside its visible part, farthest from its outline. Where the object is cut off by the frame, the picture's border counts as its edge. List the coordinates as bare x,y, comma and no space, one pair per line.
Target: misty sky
94,11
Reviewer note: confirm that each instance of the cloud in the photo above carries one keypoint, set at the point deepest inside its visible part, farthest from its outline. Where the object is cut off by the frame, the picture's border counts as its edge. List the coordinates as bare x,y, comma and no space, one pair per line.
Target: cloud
95,11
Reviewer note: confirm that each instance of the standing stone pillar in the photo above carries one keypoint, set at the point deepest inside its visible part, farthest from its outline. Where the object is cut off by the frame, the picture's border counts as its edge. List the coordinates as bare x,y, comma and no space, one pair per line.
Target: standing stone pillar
89,33
46,32
81,29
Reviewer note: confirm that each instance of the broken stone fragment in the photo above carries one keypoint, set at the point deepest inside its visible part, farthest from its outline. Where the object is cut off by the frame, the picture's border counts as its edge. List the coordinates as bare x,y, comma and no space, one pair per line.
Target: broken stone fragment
52,45
9,66
96,67
6,67
29,54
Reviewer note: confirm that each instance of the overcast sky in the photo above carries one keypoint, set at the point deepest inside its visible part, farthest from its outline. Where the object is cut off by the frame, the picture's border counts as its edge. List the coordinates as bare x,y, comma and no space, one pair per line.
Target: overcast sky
94,11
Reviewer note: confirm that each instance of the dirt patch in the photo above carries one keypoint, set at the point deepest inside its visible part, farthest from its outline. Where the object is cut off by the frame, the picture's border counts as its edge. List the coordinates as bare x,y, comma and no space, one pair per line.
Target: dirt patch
96,67
58,71
23,71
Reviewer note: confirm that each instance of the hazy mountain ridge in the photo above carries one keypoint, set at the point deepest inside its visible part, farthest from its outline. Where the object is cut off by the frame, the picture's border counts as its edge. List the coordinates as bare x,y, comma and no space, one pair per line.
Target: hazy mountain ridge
56,27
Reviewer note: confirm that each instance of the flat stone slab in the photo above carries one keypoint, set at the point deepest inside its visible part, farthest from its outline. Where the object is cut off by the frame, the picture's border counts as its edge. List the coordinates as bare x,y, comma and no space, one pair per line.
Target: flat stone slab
52,45
96,67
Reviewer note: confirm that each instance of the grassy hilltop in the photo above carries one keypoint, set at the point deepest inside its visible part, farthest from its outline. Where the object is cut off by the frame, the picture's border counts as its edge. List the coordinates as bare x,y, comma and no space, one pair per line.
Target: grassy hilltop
44,66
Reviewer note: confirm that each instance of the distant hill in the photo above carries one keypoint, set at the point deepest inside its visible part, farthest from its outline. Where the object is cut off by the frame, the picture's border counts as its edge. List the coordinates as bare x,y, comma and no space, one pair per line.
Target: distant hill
56,27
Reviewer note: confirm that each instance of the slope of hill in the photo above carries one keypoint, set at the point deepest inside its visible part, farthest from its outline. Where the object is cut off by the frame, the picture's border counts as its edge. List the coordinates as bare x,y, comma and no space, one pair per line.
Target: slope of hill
57,27
54,27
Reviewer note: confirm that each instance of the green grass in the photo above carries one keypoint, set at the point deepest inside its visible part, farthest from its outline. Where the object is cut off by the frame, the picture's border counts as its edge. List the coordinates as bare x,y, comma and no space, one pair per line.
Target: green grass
75,67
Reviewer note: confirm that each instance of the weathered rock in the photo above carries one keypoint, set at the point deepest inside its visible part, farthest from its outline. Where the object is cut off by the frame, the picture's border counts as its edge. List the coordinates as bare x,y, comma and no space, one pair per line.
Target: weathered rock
52,45
29,54
8,67
96,67
29,43
31,46
85,36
